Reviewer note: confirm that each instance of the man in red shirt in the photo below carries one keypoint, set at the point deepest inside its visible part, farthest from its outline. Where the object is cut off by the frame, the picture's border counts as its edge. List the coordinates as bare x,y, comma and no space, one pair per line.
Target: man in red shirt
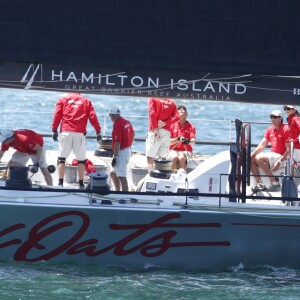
162,114
278,136
183,136
28,144
122,139
72,113
293,118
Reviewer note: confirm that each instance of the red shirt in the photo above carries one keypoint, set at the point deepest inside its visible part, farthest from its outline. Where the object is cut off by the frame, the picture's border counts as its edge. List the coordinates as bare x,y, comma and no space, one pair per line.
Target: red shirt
25,141
122,132
73,111
187,130
294,125
278,138
164,110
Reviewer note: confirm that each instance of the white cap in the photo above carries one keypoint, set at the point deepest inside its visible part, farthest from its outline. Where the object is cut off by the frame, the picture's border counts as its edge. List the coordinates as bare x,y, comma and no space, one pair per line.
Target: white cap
6,134
115,111
276,113
290,106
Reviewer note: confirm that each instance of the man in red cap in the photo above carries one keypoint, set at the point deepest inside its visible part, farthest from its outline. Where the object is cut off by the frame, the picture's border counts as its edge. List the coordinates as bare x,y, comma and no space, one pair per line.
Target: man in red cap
279,138
183,136
122,139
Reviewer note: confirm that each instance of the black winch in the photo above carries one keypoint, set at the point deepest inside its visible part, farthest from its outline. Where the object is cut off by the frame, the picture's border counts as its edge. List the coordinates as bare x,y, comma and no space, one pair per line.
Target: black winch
105,147
18,177
162,169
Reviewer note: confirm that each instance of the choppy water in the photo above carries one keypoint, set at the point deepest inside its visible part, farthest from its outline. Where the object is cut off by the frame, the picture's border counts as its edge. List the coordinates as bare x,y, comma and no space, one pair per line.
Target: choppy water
48,281
33,110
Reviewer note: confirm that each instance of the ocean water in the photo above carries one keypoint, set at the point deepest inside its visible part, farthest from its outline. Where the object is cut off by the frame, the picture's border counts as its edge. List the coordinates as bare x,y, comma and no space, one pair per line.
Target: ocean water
69,282
213,120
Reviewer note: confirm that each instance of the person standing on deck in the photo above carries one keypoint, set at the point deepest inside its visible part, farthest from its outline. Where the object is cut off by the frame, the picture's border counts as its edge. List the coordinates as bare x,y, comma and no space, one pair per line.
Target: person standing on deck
293,118
28,144
72,113
278,136
183,136
122,140
162,114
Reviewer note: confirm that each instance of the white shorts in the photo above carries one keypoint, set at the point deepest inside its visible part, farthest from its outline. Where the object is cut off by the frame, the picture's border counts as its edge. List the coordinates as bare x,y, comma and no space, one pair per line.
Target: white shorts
22,158
296,156
175,153
121,167
158,146
273,157
68,141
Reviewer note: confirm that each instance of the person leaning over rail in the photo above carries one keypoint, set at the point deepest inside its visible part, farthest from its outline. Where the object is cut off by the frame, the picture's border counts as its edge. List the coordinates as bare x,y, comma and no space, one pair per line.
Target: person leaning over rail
183,136
278,136
28,144
72,113
122,140
162,114
293,119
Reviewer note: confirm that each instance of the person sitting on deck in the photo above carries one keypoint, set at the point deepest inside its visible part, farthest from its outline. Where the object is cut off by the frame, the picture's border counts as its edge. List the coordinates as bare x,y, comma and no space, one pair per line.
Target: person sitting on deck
28,144
183,136
278,136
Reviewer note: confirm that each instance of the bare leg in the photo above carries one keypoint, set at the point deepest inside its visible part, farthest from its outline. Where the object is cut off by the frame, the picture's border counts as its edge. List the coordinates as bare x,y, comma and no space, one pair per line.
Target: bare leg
124,183
150,161
182,162
255,170
47,176
80,169
115,181
61,170
263,163
174,163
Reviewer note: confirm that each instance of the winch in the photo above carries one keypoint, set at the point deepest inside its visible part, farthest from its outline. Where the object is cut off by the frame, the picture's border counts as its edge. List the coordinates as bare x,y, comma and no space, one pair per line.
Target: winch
105,147
18,177
162,168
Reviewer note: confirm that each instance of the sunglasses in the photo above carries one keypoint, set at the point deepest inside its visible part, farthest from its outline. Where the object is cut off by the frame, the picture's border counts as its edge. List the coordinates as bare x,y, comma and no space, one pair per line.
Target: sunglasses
287,108
181,108
274,117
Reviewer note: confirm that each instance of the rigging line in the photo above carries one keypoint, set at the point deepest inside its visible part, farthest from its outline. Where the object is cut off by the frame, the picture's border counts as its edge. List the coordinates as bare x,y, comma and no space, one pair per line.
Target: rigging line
145,89
120,73
227,82
96,77
268,89
167,86
232,77
132,88
159,86
14,85
280,76
116,90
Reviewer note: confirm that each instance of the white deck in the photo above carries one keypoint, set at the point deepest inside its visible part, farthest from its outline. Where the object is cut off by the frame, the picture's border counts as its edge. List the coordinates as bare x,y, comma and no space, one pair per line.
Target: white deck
136,168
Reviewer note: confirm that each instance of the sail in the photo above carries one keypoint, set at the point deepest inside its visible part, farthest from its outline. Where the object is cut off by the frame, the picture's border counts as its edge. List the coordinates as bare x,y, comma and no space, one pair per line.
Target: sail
231,50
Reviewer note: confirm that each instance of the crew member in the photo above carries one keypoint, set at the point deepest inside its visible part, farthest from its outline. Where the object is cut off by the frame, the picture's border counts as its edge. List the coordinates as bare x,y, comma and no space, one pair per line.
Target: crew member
72,113
162,114
122,139
28,145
